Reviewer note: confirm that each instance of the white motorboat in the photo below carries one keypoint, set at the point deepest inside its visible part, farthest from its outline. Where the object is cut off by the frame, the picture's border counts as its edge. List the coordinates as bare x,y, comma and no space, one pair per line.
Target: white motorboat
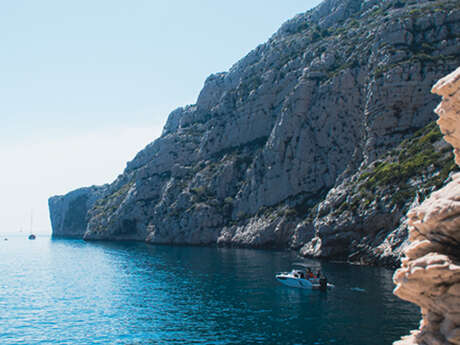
298,278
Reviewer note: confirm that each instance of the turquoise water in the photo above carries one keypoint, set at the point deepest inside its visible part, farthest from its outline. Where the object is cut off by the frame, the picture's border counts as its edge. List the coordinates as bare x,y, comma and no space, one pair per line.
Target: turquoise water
73,292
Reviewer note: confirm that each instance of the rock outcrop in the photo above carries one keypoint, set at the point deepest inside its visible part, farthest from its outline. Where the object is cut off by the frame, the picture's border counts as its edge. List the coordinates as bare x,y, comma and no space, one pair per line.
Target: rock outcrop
70,212
430,272
274,147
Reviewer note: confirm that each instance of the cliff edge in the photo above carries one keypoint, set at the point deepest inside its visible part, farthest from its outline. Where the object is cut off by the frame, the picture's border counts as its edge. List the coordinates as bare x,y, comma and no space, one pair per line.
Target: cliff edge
430,272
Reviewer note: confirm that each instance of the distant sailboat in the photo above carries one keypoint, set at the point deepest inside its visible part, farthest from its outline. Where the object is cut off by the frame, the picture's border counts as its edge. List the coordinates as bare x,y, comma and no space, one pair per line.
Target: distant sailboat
31,236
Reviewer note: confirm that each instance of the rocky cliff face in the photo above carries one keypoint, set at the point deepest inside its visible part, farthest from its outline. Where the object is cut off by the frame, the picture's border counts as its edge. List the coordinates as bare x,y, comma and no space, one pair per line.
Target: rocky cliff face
364,216
272,148
69,215
430,272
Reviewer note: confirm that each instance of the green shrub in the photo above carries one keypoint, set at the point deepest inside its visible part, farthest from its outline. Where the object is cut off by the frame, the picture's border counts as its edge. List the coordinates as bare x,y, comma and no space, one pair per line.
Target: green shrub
290,212
416,156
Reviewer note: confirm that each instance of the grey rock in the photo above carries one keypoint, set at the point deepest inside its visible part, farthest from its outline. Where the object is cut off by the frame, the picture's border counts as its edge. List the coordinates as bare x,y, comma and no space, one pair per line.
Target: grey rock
69,213
274,146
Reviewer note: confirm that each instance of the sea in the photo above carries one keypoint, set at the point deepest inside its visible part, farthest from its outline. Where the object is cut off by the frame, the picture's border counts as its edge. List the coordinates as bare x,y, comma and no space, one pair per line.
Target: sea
62,291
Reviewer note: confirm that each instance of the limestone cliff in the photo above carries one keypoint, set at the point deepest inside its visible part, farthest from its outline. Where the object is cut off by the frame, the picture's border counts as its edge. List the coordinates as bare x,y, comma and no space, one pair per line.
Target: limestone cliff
430,273
69,217
266,154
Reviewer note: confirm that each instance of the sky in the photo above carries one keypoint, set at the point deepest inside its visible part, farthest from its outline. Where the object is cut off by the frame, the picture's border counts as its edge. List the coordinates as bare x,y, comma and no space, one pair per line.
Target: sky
85,85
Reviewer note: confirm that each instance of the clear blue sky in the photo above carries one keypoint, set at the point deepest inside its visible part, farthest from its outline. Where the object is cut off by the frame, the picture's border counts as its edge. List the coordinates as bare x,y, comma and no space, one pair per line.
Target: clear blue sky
86,84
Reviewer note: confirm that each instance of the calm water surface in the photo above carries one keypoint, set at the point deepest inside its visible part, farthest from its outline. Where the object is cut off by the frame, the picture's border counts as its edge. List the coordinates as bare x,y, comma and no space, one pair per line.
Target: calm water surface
73,292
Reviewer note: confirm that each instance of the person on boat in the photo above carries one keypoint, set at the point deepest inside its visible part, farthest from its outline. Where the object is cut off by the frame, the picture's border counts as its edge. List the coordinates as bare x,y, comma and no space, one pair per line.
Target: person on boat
323,283
318,274
309,273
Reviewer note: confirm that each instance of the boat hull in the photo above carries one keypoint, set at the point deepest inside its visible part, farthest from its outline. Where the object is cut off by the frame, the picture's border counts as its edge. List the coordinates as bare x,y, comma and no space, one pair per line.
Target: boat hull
295,282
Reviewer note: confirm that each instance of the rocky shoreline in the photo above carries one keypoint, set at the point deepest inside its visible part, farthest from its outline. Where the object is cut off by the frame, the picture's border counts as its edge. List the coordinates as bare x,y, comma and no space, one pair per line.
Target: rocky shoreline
430,272
311,142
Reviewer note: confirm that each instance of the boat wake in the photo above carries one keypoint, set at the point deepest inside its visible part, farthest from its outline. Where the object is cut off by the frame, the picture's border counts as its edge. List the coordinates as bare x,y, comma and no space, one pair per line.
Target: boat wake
357,289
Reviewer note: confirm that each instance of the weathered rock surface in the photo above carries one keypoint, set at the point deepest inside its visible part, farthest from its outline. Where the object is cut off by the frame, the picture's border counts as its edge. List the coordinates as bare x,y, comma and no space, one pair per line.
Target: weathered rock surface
449,110
70,212
363,217
265,156
430,272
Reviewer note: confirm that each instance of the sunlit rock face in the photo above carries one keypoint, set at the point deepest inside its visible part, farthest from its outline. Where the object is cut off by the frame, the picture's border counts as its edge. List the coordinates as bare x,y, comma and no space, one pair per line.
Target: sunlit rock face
449,110
281,150
430,272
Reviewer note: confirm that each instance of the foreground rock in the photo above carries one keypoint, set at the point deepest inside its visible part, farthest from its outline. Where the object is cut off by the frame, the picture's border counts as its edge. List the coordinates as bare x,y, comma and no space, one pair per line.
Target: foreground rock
278,151
430,272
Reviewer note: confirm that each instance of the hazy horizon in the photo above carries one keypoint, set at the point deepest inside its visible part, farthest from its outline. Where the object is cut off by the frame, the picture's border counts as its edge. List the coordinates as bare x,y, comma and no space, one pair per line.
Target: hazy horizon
86,85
